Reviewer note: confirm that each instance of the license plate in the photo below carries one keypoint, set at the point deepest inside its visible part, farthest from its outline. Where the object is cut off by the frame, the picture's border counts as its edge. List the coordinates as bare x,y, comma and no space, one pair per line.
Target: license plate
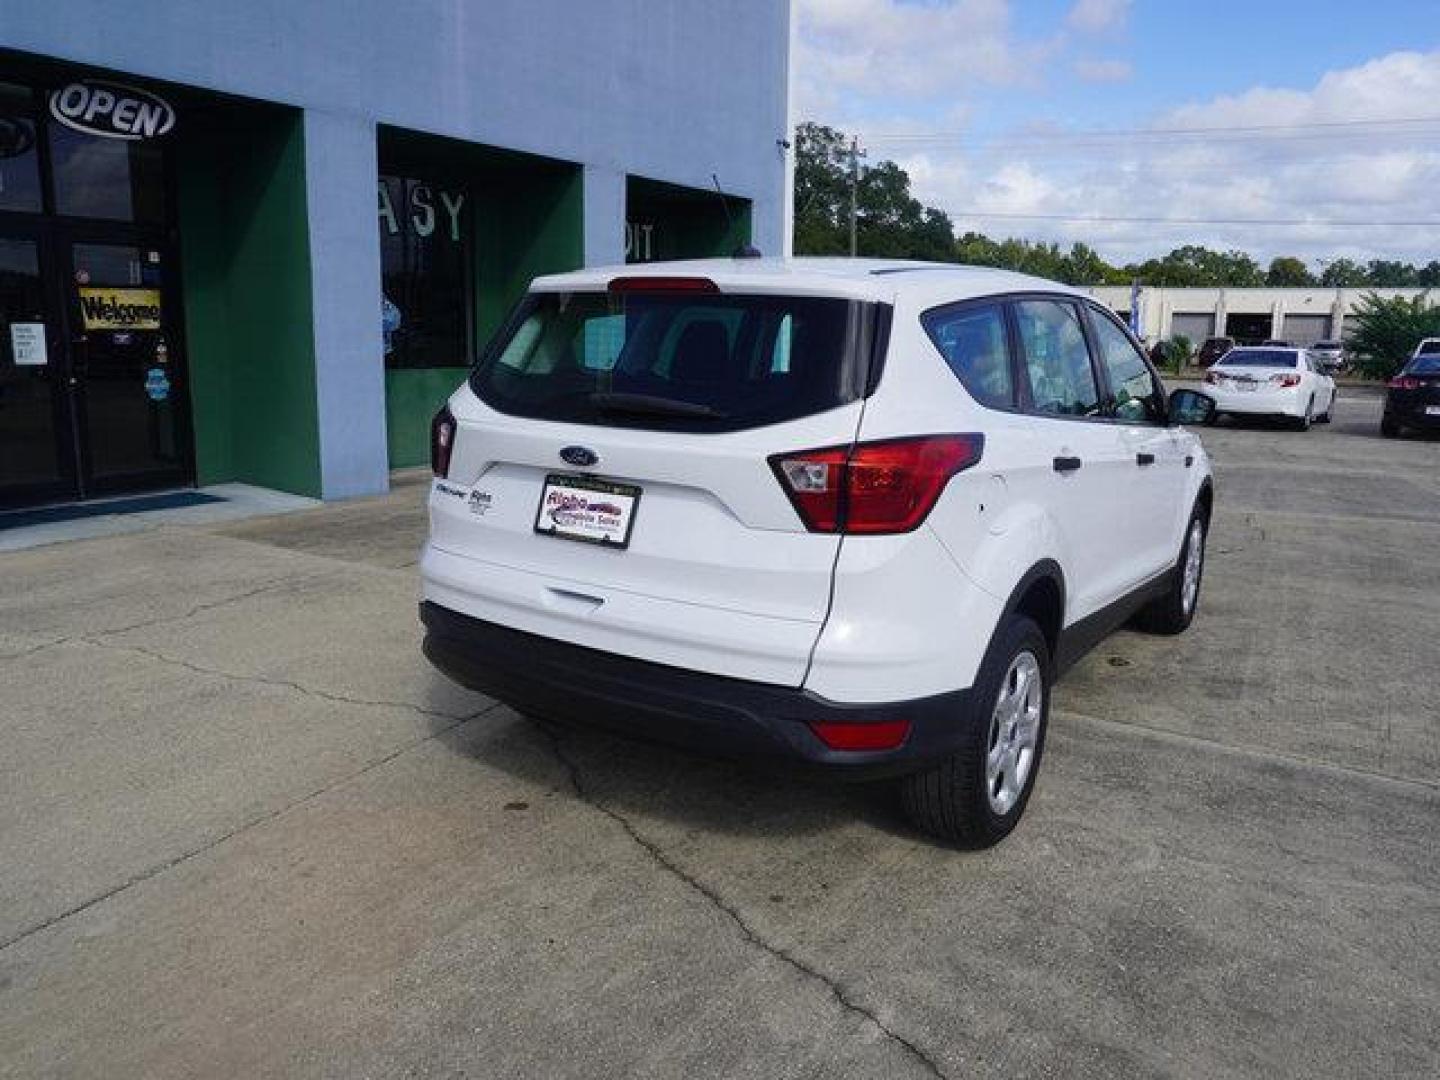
587,509
1432,410
1245,386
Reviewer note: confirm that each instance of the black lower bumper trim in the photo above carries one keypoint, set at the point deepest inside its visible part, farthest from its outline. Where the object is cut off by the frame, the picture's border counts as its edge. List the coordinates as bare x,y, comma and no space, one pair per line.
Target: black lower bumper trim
711,713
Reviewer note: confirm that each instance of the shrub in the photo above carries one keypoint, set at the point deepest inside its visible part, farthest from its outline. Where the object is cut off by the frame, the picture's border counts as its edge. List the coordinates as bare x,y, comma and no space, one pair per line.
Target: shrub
1385,332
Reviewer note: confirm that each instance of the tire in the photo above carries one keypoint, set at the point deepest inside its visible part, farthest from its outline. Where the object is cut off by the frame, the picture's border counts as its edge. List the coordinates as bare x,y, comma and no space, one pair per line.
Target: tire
1173,612
1389,428
1302,423
962,801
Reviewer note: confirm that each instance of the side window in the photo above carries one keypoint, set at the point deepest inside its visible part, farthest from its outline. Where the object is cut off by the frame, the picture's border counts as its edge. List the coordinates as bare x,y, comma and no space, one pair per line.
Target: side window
1137,398
973,342
1057,360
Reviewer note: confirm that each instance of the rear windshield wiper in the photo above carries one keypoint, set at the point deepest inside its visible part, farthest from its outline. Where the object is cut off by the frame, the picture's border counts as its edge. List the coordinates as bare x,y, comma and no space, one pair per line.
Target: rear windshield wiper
649,405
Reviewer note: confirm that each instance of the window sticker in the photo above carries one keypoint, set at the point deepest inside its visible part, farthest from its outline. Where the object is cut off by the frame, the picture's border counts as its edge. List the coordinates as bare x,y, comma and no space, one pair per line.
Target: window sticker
27,344
119,309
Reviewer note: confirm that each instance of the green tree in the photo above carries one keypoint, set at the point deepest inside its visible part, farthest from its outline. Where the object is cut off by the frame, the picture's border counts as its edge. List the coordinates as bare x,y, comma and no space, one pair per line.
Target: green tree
1388,273
1386,331
1343,273
1286,270
822,190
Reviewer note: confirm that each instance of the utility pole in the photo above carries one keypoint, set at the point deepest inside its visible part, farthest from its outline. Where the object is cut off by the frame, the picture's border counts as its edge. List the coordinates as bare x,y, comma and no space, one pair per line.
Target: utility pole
855,155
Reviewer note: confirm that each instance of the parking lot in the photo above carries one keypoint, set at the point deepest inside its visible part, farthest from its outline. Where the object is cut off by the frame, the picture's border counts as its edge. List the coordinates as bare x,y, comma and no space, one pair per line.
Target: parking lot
246,831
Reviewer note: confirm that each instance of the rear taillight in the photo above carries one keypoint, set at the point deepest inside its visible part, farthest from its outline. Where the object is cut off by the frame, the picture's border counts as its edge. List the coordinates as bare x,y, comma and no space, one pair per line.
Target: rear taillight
839,735
442,441
876,487
1212,377
1404,382
1285,380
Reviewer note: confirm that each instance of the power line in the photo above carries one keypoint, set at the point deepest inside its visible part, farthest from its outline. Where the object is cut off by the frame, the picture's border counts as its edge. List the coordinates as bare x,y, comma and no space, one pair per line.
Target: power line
1106,220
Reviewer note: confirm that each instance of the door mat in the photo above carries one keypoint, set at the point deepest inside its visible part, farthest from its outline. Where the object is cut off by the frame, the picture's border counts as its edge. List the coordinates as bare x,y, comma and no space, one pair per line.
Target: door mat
49,515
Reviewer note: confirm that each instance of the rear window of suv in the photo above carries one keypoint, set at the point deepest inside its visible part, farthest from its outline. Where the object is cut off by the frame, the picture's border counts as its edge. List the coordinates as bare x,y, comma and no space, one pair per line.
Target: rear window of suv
677,361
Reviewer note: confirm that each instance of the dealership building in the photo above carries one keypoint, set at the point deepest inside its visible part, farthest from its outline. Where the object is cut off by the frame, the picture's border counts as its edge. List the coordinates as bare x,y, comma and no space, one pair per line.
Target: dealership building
261,241
1301,315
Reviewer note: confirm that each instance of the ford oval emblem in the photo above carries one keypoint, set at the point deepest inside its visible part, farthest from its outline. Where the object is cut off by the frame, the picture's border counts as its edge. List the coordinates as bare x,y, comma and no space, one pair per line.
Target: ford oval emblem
579,455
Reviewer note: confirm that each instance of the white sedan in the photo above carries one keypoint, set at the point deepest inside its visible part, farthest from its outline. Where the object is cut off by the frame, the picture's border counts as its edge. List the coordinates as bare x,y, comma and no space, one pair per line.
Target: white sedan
1271,381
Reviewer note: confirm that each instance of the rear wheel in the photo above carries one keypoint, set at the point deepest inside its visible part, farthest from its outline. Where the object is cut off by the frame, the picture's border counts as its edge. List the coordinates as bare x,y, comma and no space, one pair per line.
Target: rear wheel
1173,612
1302,423
976,796
1389,428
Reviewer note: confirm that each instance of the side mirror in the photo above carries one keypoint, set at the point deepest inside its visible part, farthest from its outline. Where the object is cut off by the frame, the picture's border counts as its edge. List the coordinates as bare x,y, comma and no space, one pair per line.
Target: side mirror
1189,407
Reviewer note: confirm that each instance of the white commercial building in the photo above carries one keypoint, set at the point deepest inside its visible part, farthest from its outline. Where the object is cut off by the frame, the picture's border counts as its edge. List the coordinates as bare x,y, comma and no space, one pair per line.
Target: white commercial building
1302,316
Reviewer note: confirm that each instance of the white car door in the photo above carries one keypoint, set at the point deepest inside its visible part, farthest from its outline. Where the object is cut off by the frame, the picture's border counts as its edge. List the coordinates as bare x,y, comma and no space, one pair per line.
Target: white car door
1076,466
1155,486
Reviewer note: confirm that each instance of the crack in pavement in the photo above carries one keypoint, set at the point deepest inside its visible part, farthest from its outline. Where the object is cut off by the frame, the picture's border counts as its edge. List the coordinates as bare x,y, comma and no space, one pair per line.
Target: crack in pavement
748,932
162,620
265,680
259,819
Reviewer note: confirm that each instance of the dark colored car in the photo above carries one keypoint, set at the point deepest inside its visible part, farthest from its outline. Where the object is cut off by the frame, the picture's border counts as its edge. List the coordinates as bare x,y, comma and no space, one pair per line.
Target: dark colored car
1213,349
1412,398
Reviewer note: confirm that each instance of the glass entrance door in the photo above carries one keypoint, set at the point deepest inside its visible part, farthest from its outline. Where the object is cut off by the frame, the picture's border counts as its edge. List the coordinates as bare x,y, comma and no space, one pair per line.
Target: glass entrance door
126,371
92,386
37,436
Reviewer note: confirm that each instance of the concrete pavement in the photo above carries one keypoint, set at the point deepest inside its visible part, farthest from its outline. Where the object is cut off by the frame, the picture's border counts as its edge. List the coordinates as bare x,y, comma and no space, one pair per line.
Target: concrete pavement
245,830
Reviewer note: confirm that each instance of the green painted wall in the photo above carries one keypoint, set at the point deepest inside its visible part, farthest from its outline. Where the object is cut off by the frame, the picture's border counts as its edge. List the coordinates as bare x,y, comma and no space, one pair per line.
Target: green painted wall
245,270
527,220
412,397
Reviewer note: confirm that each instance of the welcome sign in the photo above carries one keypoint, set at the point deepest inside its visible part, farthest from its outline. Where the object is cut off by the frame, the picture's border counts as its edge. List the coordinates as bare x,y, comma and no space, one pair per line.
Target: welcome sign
120,309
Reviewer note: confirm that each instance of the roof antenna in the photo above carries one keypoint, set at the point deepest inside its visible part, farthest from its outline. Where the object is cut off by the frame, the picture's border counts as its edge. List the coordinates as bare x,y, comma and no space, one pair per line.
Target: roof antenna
745,250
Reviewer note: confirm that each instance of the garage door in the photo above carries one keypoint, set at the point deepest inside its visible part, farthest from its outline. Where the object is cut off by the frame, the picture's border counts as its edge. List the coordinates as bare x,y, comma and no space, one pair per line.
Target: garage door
1306,329
1197,326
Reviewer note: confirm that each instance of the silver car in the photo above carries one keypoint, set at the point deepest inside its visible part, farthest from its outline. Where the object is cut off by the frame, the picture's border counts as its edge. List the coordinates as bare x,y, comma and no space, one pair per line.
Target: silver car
1329,356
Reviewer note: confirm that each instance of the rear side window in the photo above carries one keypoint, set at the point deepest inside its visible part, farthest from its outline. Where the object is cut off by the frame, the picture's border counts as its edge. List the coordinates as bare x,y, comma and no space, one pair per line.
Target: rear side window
973,341
1057,360
712,362
1137,398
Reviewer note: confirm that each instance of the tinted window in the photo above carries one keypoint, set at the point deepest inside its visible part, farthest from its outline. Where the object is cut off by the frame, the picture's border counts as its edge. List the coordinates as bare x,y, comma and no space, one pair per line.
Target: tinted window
1057,360
1136,397
1424,365
19,157
424,258
671,361
1430,348
106,178
1261,358
973,342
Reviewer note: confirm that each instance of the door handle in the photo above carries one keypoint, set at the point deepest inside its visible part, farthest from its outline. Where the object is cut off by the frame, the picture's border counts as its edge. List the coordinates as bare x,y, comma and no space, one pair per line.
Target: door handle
1143,458
1067,464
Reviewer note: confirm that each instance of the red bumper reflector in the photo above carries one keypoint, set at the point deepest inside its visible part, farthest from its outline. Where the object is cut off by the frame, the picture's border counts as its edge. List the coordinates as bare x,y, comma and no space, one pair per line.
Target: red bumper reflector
886,735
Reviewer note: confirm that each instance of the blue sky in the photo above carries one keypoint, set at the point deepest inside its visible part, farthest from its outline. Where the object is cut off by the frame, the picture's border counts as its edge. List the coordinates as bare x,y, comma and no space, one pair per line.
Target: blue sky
900,71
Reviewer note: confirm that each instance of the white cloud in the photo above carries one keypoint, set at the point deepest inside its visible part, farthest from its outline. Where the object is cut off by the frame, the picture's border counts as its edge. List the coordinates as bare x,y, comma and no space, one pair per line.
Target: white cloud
1103,71
883,49
1095,16
1314,175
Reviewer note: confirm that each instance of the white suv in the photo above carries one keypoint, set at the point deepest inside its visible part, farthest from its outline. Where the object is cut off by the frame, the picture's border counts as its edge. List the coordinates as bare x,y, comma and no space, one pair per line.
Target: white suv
853,513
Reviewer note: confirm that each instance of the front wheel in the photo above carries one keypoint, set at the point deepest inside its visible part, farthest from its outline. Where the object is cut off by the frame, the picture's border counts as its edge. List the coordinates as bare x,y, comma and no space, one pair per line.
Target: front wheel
1173,612
975,797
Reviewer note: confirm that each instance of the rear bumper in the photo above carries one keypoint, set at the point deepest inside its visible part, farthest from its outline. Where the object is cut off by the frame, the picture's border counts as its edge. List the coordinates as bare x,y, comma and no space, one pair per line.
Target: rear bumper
1412,413
711,713
1257,402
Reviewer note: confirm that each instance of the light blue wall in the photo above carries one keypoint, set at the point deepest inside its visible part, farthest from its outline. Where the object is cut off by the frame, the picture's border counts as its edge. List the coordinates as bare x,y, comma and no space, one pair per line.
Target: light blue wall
669,89
673,90
340,165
